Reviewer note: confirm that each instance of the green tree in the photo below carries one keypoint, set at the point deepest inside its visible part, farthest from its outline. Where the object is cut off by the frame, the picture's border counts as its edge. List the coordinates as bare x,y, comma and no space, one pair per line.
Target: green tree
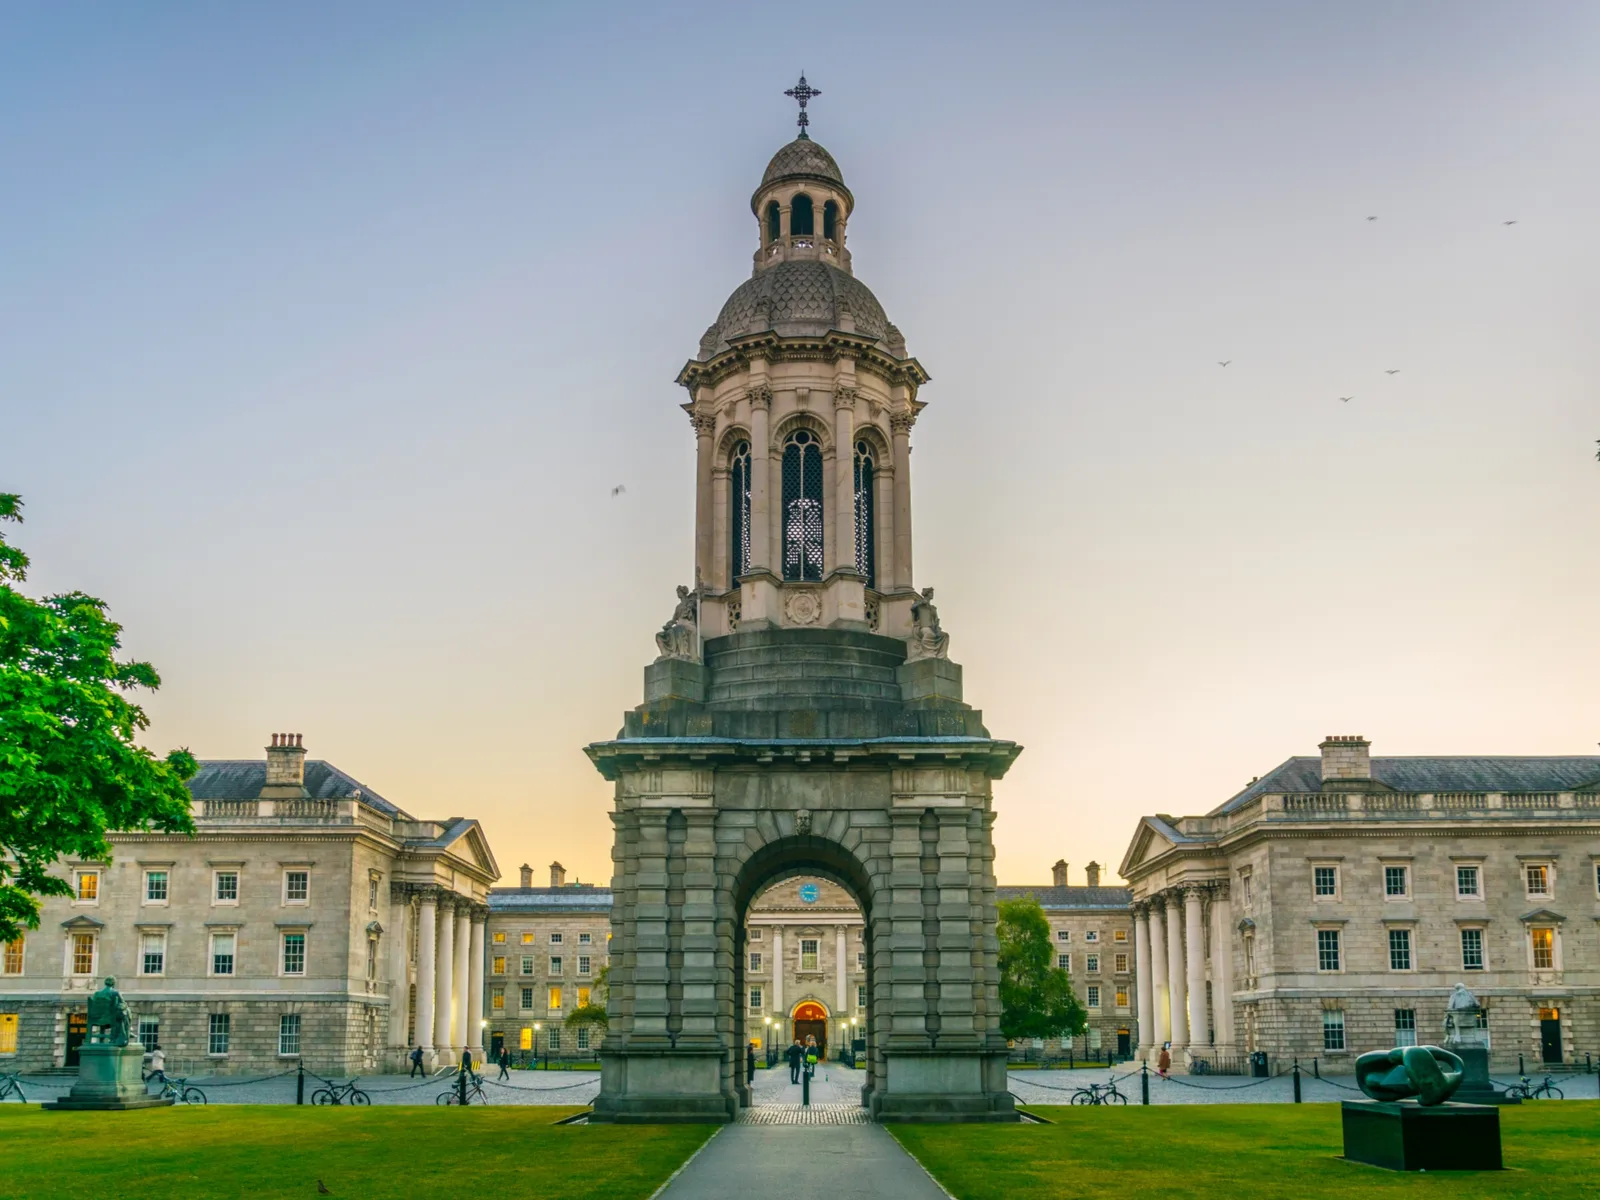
593,1013
69,766
1036,996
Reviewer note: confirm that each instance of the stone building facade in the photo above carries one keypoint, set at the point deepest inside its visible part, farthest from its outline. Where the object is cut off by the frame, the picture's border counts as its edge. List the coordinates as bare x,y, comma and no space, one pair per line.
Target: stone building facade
805,968
1330,907
286,930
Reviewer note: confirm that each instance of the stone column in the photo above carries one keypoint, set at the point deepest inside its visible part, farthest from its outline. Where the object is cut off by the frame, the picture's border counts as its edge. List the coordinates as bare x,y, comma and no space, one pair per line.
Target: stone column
900,424
698,976
1142,980
427,967
1161,1022
460,1033
1176,991
841,1008
957,951
704,425
883,513
777,978
651,974
399,976
1194,936
844,477
444,989
1222,968
475,1029
761,558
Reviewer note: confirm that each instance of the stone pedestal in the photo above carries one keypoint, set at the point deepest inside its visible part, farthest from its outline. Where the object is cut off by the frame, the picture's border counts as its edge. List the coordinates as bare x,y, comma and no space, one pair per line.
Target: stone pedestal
1476,1086
109,1077
1407,1136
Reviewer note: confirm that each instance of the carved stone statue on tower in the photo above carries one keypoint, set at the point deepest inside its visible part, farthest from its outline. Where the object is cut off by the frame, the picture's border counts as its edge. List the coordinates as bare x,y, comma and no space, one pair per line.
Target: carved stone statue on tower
680,636
928,640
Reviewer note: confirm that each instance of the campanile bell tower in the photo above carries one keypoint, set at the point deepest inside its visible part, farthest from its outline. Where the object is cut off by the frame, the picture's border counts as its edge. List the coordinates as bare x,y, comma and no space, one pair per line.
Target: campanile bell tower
803,715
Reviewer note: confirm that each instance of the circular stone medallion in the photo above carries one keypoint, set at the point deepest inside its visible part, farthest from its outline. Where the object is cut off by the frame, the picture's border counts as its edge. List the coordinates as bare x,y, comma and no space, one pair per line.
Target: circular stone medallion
804,608
810,893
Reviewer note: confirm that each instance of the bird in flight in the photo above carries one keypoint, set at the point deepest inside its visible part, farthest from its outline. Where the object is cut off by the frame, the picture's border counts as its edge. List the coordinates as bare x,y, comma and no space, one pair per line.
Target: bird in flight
1346,399
618,490
1396,371
1508,222
1221,363
1372,218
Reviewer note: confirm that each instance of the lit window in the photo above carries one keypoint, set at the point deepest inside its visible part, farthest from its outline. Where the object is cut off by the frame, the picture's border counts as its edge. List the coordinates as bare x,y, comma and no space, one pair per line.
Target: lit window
1122,963
526,1039
155,887
755,999
1405,1027
1544,949
1394,881
555,964
527,939
1093,992
555,999
226,890
755,960
296,887
222,954
1122,998
8,1033
89,887
294,954
1538,879
1327,949
153,954
218,1033
497,999
808,954
289,1034
500,939
583,997
1064,962
1120,935
1333,1029
12,963
499,967
1325,881
1467,882
1399,949
1472,949
83,953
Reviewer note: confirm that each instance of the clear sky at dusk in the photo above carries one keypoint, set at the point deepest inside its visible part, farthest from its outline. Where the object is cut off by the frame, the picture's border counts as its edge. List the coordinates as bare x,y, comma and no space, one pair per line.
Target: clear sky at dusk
327,330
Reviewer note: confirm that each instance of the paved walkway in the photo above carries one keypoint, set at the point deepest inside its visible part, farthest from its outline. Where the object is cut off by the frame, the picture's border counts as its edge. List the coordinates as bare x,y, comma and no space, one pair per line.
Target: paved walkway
801,1162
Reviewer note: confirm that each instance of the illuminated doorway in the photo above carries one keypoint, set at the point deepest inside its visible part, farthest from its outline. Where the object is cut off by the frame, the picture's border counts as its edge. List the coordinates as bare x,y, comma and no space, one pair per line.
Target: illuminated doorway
811,1020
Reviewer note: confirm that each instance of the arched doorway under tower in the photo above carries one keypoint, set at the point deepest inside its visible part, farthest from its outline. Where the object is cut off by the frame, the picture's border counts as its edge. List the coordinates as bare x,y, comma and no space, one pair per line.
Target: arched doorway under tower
810,1019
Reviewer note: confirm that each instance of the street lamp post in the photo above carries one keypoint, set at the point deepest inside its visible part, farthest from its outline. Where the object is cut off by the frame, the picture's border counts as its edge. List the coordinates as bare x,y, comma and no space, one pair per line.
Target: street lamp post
536,1027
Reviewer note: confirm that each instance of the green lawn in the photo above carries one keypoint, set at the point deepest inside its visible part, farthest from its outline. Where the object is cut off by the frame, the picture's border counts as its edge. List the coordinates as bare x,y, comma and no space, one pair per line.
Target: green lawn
276,1150
1263,1151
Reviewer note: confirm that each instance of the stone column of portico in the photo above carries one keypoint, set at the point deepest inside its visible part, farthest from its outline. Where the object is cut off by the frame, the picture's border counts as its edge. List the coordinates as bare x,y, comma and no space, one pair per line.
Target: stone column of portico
1161,1023
1177,999
399,976
460,1033
1142,980
844,477
1194,937
650,972
957,972
760,480
704,425
698,1006
427,967
1222,967
476,1033
444,978
777,982
900,424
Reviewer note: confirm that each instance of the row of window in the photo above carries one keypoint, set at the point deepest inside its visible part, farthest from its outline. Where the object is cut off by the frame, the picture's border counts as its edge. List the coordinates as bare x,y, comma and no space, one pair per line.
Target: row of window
553,998
83,954
810,957
802,548
497,964
1405,1027
757,997
1091,963
1330,950
802,219
157,886
552,1039
556,939
1092,936
1538,881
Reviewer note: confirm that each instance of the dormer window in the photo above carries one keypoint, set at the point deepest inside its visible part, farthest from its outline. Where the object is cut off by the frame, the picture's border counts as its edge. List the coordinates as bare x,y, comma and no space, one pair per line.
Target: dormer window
802,220
830,221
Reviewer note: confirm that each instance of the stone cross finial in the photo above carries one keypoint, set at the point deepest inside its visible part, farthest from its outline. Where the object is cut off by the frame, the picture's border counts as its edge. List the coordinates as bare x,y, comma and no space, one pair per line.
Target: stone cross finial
802,92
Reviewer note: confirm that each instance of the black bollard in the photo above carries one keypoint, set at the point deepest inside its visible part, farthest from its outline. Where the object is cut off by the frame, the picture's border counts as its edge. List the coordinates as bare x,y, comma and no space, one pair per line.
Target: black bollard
461,1085
805,1087
1521,1070
300,1086
1316,1068
1144,1083
1297,1081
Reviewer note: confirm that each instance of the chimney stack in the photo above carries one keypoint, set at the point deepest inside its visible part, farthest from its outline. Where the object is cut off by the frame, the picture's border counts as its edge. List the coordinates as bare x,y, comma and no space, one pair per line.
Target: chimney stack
527,875
1093,871
1058,873
558,875
286,767
1346,758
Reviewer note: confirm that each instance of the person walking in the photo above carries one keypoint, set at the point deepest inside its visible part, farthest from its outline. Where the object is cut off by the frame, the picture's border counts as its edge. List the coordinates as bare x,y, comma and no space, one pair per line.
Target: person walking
505,1063
1164,1060
794,1054
466,1061
416,1064
750,1065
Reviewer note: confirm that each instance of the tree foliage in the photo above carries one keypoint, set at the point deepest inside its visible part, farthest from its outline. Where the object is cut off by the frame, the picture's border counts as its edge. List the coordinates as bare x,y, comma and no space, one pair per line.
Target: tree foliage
594,1013
69,766
1036,996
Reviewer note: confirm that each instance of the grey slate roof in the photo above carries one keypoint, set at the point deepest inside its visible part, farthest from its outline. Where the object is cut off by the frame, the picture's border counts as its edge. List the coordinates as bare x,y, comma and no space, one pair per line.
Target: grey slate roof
802,158
1466,774
795,298
1069,897
545,899
243,779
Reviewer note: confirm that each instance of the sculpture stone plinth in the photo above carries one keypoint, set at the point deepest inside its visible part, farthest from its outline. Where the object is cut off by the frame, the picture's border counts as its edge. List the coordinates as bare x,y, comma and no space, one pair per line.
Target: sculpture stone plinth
1476,1086
109,1078
1406,1136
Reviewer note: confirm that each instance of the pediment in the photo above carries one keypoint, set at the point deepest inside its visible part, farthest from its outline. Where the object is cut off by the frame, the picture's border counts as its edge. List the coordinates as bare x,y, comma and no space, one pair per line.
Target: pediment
1542,914
1148,843
472,846
82,922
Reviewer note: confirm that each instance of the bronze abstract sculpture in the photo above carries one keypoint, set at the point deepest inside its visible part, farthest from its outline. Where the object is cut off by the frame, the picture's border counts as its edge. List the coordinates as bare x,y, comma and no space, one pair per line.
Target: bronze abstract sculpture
1430,1074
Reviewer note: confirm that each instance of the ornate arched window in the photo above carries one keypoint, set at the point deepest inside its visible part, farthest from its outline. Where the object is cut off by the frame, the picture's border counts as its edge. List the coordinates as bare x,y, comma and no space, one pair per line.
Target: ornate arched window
802,506
830,221
866,526
801,218
739,512
774,222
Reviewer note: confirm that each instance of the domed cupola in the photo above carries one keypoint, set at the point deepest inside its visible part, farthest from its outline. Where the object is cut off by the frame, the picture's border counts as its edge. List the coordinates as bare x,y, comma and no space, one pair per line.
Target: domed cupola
802,205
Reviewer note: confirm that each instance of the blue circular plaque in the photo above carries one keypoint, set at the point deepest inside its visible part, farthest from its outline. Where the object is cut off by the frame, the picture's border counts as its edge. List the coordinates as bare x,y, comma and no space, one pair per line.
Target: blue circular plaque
810,893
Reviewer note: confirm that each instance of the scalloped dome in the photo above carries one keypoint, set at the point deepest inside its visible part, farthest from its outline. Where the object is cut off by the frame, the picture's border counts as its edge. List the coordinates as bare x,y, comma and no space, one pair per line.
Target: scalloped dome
797,299
802,158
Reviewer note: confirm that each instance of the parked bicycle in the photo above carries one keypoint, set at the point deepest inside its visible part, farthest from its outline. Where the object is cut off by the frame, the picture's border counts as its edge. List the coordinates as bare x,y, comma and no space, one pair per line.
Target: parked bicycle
1099,1093
474,1092
10,1086
1523,1089
179,1090
340,1093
